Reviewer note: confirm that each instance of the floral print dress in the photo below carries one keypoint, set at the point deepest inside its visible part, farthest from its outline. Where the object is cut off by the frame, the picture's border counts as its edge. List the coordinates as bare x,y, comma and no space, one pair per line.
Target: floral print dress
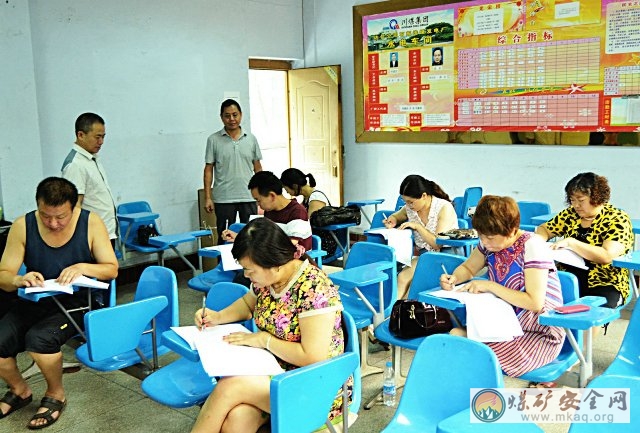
309,292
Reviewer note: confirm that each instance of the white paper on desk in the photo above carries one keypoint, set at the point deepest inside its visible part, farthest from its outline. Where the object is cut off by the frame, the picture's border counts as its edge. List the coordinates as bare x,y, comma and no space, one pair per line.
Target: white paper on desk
491,319
220,358
52,286
191,333
228,262
400,240
568,257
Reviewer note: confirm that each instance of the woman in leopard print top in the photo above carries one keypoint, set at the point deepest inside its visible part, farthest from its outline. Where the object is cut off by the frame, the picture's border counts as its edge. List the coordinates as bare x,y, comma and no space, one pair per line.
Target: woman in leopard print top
596,231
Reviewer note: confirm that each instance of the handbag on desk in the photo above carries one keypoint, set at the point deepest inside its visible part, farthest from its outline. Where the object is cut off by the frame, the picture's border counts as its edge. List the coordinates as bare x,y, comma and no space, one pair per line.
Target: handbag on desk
411,319
330,215
145,232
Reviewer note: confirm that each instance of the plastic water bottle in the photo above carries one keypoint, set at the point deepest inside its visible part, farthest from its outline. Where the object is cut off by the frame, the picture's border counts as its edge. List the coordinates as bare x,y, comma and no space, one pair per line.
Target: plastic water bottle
389,386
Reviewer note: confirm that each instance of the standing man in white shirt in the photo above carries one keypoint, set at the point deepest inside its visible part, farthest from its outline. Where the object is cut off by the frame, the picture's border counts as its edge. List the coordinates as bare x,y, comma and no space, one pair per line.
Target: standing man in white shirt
84,169
235,155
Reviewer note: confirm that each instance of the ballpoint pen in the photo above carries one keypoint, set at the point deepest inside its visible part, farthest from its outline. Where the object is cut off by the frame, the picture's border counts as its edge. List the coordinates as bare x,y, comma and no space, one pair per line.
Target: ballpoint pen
446,273
204,300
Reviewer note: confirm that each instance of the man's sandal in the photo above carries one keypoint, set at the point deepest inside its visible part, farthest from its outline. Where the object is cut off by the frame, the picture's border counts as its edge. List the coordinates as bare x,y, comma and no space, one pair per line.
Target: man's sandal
52,406
15,401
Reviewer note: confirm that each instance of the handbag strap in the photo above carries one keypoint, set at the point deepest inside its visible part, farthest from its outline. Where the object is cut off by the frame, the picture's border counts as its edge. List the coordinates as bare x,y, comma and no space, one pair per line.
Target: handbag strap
325,196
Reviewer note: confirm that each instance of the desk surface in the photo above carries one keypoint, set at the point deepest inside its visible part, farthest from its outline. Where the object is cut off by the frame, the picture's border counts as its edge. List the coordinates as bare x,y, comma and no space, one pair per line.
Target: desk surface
361,203
596,316
457,242
168,240
177,344
138,217
35,297
364,275
631,261
334,227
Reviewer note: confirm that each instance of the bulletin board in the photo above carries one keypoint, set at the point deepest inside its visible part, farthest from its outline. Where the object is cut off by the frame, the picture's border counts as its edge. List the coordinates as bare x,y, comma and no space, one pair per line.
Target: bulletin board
525,65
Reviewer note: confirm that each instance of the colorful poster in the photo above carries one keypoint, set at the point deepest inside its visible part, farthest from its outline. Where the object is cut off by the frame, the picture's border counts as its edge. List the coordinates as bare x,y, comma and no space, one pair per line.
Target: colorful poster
534,65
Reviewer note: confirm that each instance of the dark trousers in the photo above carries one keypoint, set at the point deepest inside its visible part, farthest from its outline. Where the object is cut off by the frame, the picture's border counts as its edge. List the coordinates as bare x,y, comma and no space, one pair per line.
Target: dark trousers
226,214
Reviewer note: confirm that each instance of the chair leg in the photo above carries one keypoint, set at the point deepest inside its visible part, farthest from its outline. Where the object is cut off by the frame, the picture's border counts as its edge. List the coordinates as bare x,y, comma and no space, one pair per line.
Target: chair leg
365,368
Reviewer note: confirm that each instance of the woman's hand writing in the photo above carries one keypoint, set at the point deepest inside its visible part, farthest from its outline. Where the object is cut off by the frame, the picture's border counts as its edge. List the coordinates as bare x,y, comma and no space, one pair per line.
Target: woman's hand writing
228,235
204,317
447,281
390,222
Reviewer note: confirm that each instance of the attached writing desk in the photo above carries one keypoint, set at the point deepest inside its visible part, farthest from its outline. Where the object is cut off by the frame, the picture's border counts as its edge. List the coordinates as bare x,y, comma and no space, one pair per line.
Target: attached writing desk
178,345
362,203
360,276
596,316
172,241
467,244
332,229
35,297
630,261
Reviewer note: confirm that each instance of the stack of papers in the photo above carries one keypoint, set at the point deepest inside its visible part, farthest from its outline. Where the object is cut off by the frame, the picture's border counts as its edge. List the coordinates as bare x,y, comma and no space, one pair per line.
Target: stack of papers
400,240
53,286
489,318
568,257
220,358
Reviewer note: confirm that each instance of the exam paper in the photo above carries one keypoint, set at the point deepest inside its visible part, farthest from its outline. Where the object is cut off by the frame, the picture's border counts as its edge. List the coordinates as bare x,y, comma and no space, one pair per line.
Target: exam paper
52,286
228,262
400,240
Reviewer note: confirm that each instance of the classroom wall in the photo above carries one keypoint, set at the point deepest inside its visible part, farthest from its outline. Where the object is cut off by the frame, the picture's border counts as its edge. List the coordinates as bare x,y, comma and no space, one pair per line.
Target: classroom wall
521,171
156,70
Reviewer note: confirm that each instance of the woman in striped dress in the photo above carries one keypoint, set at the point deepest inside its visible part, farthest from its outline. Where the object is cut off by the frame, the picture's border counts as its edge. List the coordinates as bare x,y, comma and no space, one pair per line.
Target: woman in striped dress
522,273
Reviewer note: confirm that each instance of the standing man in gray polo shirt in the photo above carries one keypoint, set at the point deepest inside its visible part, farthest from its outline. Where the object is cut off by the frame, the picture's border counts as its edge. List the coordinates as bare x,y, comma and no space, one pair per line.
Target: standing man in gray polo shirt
83,168
235,155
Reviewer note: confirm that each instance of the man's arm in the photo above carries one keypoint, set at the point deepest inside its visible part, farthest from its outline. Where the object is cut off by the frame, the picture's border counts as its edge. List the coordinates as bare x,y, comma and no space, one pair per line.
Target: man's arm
13,257
257,166
208,180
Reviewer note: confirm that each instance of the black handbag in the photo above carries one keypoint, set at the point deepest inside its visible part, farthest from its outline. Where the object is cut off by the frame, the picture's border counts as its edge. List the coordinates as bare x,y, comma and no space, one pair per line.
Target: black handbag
411,319
330,215
145,232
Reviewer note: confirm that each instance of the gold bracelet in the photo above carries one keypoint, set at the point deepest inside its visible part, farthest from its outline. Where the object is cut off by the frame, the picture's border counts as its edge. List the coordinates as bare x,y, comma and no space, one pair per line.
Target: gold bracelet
269,341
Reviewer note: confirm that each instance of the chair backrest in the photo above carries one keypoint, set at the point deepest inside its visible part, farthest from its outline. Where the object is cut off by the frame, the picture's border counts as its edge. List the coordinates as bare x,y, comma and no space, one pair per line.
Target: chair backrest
427,399
160,281
223,294
429,269
293,411
630,347
530,209
127,208
399,203
470,200
570,292
236,227
363,253
116,330
457,206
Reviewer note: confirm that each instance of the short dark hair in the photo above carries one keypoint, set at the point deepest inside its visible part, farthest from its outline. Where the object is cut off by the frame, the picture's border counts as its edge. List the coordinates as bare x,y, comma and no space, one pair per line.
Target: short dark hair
228,103
85,122
590,184
265,182
415,185
56,191
266,244
496,215
292,177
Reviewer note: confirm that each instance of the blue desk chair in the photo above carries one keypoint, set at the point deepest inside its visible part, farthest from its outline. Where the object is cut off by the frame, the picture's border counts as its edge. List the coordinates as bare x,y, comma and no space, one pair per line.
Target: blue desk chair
399,203
129,230
457,206
184,383
317,253
206,280
154,281
114,335
293,411
376,223
363,253
529,209
427,275
469,202
567,356
432,392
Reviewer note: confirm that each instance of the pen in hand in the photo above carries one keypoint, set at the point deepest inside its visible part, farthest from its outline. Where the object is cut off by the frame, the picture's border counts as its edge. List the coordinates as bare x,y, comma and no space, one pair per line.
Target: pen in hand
203,324
447,275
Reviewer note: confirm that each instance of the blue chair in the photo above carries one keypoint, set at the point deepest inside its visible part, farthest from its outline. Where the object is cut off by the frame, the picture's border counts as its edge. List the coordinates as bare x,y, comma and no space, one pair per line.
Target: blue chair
623,372
129,230
376,223
184,383
363,253
457,206
204,281
399,203
529,209
317,253
114,334
427,276
567,356
469,202
433,392
154,281
293,411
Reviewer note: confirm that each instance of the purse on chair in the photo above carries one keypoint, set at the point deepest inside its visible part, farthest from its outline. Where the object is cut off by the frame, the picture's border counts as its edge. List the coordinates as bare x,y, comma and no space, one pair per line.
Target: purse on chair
330,215
411,319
